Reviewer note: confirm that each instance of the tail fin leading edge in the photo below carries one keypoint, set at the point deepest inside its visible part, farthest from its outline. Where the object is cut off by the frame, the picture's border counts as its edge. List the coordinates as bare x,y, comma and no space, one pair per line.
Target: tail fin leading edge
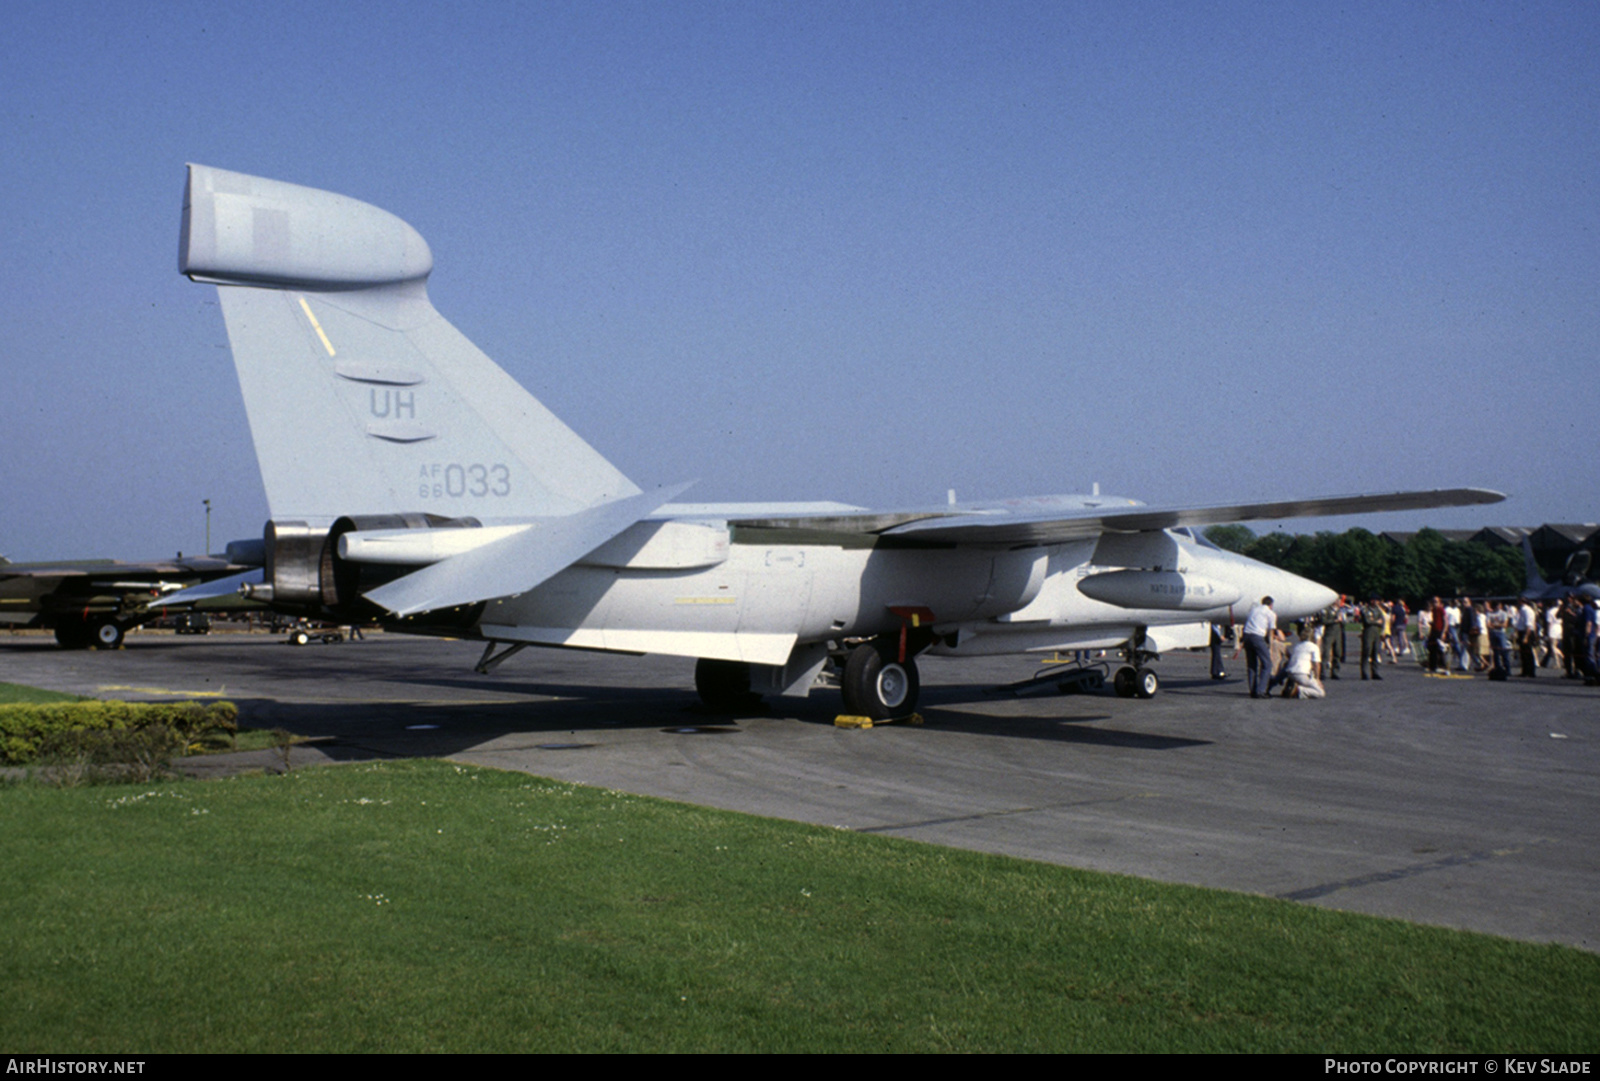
1536,582
362,399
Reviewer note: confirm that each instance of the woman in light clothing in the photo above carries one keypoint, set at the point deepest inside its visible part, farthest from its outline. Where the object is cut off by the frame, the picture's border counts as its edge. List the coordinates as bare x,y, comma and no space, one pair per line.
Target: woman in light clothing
1552,635
1480,638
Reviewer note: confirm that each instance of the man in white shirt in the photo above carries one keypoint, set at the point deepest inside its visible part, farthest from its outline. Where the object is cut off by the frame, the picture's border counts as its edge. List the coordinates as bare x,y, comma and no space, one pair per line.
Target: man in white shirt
1527,628
1301,673
1455,634
1258,628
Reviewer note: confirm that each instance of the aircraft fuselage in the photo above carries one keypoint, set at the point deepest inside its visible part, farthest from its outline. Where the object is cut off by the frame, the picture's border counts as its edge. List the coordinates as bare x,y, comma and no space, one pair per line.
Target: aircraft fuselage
766,596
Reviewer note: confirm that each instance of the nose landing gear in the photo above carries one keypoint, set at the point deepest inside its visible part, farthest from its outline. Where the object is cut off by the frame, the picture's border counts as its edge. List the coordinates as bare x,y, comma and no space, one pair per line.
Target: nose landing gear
1132,682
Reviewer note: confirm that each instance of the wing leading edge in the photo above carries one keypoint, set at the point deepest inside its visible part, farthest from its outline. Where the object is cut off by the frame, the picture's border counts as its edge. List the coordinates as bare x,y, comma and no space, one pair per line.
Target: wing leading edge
1048,521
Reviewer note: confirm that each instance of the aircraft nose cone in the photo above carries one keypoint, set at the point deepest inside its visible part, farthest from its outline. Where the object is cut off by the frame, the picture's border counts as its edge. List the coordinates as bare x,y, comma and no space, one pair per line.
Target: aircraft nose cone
1299,597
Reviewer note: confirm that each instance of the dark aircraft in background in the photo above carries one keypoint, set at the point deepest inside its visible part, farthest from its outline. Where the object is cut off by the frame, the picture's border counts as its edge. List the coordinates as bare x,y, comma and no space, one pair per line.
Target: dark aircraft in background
94,602
1573,578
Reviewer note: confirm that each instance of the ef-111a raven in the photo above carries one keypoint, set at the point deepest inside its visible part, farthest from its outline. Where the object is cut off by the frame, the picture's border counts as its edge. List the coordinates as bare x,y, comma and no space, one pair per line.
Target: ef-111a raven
414,483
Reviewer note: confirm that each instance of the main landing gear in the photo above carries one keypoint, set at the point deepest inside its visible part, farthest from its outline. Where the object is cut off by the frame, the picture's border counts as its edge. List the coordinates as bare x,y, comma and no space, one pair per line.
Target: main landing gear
877,683
97,632
874,681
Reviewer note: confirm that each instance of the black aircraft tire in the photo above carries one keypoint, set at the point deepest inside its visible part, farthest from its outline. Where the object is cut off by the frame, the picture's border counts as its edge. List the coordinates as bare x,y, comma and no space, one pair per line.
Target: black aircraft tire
1125,682
105,634
72,634
878,685
724,686
1146,683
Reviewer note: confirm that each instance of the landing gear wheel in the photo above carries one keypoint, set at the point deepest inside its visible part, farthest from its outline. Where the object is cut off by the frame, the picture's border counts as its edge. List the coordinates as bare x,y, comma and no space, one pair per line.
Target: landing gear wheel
106,634
1146,683
1126,681
724,686
877,684
299,638
72,634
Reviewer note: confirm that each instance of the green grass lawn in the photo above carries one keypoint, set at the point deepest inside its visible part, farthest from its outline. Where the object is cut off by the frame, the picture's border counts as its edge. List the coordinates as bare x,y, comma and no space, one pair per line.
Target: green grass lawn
16,692
411,906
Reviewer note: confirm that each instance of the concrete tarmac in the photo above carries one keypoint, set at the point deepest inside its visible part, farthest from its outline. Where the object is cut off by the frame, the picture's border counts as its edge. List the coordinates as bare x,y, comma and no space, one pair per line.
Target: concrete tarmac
1455,802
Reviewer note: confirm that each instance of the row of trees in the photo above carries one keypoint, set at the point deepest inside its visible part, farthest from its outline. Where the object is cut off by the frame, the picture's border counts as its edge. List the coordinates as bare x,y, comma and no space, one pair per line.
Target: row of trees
1362,564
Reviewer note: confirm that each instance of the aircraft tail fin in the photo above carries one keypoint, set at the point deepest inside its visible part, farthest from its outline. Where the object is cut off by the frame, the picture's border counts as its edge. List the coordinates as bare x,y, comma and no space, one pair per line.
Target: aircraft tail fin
1535,579
362,399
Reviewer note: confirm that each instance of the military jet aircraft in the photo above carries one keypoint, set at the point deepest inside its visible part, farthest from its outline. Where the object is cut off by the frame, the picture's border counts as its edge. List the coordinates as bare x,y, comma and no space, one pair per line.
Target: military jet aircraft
94,602
413,482
1574,578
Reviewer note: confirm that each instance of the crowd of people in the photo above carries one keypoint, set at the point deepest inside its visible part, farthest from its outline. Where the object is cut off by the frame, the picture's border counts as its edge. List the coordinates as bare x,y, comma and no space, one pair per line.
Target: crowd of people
1447,637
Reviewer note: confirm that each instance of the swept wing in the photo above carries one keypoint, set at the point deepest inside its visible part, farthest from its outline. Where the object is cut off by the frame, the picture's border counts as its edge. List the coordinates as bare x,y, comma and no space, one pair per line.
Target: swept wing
1058,519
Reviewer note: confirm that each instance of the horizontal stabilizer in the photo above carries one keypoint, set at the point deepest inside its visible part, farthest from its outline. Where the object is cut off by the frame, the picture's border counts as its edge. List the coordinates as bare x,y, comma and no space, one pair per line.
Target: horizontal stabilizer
217,587
517,563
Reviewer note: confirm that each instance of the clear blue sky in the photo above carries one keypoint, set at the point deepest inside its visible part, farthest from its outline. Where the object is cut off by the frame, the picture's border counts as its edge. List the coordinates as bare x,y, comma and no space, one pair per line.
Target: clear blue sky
868,252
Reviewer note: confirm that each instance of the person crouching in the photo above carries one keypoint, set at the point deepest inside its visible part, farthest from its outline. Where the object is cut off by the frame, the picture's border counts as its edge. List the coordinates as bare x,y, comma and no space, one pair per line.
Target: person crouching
1300,676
